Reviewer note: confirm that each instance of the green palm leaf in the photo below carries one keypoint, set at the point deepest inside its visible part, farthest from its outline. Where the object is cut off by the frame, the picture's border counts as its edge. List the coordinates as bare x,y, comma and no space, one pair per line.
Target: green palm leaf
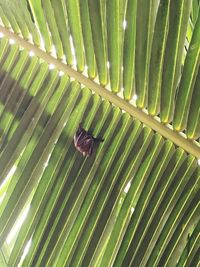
121,69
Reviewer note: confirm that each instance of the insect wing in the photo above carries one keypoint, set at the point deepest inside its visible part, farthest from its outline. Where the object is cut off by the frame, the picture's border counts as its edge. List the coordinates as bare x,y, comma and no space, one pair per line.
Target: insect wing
87,145
79,137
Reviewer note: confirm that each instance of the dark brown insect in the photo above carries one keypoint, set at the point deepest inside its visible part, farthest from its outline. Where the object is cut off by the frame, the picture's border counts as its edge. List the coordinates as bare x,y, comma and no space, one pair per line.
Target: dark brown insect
84,141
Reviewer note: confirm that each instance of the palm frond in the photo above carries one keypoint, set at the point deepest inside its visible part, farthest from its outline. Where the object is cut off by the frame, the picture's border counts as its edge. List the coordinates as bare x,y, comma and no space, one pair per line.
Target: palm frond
123,69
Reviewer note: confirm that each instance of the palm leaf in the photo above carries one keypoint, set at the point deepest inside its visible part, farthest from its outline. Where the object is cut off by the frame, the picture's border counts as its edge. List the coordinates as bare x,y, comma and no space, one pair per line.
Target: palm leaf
122,69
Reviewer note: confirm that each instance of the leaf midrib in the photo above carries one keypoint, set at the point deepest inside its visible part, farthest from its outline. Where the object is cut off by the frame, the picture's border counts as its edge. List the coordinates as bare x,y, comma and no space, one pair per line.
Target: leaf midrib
179,139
